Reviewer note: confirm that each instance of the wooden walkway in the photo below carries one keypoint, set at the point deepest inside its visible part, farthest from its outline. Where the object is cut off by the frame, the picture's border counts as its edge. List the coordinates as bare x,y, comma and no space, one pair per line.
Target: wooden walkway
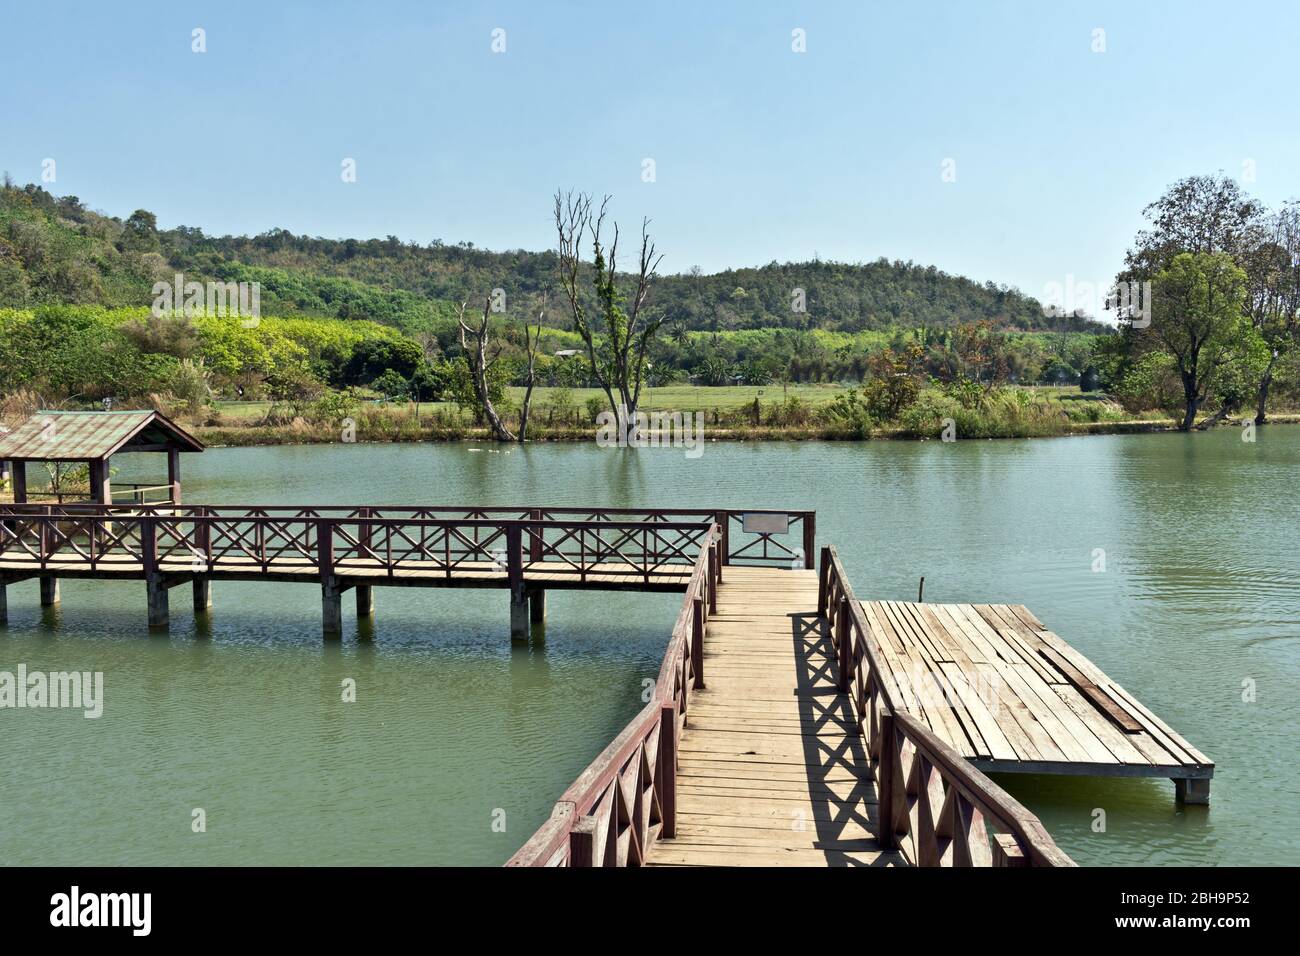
413,572
771,769
996,685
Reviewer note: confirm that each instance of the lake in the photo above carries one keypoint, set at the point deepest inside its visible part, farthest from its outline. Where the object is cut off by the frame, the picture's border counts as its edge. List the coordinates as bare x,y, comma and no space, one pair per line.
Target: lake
1170,560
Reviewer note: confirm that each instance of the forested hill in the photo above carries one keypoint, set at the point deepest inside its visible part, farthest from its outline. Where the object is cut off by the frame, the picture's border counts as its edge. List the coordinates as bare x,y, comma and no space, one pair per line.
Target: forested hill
55,250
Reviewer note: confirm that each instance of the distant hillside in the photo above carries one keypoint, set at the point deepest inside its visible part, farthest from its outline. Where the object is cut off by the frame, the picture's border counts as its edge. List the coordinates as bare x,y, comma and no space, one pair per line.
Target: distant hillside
55,250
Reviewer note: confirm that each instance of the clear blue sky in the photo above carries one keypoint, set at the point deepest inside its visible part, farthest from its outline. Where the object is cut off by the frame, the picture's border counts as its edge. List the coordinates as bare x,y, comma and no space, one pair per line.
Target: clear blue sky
761,153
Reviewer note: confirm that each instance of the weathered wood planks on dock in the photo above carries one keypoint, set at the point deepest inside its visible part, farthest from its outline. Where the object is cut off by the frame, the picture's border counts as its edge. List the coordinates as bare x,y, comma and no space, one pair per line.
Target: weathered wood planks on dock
771,771
996,685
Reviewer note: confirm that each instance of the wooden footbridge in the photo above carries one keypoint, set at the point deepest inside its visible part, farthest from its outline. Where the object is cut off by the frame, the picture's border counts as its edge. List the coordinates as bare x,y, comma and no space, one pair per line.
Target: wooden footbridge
791,723
524,550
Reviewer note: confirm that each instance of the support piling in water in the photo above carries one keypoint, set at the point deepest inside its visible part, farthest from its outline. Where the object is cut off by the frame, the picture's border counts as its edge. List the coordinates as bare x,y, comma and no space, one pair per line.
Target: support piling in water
156,589
519,613
4,604
331,608
49,591
537,611
202,595
365,600
1193,791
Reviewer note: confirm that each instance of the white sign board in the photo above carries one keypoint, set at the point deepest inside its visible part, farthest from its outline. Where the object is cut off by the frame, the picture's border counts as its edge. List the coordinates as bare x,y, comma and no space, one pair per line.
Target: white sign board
766,523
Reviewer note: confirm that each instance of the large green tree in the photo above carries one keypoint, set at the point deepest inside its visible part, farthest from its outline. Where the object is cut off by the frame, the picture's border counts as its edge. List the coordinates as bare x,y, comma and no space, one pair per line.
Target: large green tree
1273,268
1198,317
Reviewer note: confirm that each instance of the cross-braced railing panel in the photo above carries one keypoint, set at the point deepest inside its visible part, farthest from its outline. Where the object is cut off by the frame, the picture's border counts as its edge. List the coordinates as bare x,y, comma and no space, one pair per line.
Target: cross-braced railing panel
627,797
478,542
933,805
790,547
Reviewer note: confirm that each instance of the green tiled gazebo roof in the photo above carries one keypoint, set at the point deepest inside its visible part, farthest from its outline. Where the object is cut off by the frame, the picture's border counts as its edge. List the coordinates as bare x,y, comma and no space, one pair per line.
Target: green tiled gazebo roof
82,436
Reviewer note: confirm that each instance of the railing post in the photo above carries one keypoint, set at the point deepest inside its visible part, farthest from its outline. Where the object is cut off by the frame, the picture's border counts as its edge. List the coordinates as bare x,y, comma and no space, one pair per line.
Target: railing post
886,767
697,641
1007,851
666,777
364,535
203,537
325,548
515,556
149,546
823,582
809,538
582,842
723,518
713,580
46,543
535,539
844,643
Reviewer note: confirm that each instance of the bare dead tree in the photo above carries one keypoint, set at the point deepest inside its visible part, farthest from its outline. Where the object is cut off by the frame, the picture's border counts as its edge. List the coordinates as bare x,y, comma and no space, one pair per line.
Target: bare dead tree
480,366
531,343
616,338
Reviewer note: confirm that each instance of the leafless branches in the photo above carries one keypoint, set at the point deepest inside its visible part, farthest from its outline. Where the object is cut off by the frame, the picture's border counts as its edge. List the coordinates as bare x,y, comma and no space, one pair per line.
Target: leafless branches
617,342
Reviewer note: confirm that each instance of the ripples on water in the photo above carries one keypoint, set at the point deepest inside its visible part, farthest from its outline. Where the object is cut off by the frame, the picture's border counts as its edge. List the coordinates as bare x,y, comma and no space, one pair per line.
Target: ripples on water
453,727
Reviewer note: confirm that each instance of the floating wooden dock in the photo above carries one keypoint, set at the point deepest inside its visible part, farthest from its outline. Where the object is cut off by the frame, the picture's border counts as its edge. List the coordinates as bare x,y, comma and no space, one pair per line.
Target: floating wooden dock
996,685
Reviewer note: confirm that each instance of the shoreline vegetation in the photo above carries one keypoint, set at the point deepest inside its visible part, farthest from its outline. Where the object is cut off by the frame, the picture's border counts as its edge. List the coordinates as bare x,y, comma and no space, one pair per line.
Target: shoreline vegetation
364,340
273,437
740,413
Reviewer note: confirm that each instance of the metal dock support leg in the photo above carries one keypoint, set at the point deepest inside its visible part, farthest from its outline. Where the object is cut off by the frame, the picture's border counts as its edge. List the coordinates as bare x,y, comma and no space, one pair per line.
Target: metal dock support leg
4,604
49,591
1194,791
365,600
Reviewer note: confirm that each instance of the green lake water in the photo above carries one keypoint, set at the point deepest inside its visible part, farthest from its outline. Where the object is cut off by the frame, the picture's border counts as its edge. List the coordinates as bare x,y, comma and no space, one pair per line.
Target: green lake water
454,730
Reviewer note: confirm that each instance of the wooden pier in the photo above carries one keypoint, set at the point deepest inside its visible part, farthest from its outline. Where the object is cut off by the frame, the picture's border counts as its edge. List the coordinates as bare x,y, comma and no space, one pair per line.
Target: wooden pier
791,723
771,771
997,686
526,551
789,727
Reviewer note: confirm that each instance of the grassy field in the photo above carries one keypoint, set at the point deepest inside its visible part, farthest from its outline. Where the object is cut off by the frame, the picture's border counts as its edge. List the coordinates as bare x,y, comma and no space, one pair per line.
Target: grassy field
695,398
681,398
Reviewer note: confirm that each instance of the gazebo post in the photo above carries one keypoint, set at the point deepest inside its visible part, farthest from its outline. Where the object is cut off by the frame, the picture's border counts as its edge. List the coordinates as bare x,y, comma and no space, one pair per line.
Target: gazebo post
100,492
20,482
174,474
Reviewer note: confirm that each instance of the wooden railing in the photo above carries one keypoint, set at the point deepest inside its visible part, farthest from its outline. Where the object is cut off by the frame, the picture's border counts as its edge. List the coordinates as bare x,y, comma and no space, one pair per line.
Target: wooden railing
577,538
933,805
626,799
202,539
134,493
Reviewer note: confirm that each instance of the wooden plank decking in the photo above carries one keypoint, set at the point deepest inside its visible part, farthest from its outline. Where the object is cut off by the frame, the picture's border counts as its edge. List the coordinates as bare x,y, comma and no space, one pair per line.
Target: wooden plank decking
771,771
996,685
605,575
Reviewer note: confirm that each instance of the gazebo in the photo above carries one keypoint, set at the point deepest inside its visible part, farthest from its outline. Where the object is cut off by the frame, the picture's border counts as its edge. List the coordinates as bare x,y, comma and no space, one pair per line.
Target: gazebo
94,437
